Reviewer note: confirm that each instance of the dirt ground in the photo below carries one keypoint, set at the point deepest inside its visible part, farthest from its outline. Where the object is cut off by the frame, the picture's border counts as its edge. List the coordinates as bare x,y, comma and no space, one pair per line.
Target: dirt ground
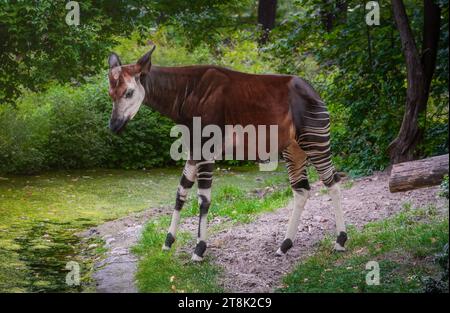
247,252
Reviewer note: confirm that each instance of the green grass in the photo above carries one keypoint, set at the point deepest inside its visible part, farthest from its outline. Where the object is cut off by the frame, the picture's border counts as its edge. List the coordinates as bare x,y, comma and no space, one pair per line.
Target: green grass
348,184
240,206
39,216
162,271
403,245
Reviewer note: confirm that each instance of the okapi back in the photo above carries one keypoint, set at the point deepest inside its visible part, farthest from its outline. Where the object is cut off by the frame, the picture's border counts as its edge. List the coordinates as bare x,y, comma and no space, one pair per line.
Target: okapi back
222,97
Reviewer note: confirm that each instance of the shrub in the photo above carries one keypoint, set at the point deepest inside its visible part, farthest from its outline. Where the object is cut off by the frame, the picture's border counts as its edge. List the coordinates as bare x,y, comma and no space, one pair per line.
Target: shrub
67,128
144,144
78,135
20,143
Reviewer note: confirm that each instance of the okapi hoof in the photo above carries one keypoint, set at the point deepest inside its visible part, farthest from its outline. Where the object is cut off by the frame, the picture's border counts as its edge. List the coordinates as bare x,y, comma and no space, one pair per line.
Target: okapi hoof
285,246
340,242
170,239
200,249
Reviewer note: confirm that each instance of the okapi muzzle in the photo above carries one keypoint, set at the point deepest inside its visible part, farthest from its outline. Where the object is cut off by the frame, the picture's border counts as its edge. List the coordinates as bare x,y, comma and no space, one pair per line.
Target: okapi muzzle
117,124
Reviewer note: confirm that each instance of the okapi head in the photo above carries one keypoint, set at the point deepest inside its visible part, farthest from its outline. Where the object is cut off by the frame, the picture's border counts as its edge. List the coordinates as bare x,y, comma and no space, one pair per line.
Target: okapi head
125,88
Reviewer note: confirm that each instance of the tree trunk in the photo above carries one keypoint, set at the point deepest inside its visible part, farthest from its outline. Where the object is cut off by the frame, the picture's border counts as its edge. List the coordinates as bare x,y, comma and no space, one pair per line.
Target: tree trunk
418,77
267,12
333,12
431,33
342,7
418,174
326,14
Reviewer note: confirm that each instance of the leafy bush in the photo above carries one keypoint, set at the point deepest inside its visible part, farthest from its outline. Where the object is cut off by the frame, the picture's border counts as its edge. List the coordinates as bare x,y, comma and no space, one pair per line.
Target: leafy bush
439,284
78,133
21,142
67,128
362,81
145,143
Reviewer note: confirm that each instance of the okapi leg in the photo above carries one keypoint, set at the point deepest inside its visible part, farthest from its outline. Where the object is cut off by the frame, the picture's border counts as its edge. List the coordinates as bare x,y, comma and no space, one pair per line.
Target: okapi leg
296,165
300,198
186,183
315,141
335,194
204,182
327,173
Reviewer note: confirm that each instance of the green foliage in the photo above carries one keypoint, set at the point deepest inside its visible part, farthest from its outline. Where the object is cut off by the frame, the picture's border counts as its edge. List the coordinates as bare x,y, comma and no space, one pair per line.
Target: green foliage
204,21
78,133
241,53
67,128
21,142
360,73
38,46
145,144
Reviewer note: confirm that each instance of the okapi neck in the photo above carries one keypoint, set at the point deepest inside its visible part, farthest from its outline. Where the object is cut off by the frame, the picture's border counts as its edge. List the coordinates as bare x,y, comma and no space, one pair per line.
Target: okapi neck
167,90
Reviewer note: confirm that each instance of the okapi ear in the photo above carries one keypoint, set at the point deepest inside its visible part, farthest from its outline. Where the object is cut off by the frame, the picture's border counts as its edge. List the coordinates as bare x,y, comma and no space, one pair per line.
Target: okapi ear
145,62
114,61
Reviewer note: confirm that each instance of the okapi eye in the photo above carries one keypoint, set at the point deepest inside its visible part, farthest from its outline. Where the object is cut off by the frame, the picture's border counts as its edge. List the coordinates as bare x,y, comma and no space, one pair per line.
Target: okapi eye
129,93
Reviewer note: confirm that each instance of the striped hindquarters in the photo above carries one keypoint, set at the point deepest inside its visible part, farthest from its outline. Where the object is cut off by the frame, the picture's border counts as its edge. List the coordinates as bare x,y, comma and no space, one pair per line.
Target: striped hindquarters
296,166
313,137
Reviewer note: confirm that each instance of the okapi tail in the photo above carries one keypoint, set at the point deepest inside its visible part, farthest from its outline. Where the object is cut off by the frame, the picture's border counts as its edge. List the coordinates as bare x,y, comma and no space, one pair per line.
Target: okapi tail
312,126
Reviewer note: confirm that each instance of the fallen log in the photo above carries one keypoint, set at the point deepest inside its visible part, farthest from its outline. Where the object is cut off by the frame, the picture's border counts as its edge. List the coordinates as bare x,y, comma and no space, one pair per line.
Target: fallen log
418,174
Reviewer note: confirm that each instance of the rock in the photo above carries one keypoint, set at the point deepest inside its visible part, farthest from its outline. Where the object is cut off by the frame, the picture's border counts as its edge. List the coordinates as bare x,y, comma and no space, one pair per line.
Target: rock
318,218
109,241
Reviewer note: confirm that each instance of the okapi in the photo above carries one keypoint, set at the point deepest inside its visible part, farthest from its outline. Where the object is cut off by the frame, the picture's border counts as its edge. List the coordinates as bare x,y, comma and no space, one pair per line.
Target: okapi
221,96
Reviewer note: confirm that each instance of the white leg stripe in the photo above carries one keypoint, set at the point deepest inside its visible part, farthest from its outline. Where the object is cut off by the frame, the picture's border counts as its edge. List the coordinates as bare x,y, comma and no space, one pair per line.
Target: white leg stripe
204,192
174,223
300,198
203,229
182,192
190,171
335,194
